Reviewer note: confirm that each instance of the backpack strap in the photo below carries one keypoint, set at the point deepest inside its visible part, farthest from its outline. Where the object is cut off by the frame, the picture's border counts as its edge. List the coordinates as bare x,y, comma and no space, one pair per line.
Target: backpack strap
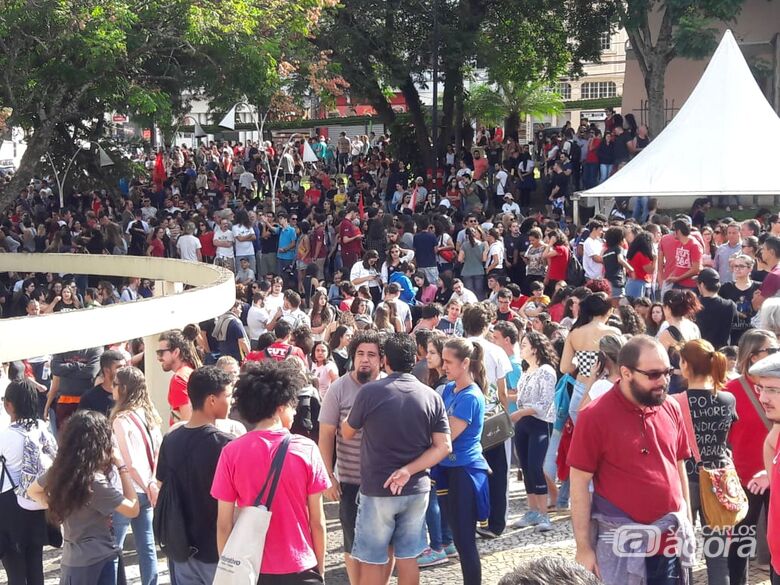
147,437
675,333
274,473
685,407
756,404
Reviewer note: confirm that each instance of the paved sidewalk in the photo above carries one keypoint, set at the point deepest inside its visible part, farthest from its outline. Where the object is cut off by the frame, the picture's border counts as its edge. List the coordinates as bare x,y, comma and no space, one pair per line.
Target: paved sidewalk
498,556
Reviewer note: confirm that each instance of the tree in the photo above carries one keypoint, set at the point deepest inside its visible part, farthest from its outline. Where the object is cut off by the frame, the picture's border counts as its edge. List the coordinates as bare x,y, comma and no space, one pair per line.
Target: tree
68,63
509,104
659,31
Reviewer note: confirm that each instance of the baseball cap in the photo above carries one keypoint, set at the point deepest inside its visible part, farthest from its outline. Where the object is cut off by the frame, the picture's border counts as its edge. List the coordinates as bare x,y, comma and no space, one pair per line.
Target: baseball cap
709,277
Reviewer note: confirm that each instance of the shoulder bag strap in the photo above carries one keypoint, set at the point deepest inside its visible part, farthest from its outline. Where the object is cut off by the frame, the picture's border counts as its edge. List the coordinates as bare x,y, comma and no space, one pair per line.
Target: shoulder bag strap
5,473
274,473
146,437
682,400
754,401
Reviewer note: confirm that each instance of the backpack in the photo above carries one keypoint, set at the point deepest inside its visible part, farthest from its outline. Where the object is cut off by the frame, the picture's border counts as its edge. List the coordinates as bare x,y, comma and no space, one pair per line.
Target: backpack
575,151
306,420
575,273
561,400
38,454
169,525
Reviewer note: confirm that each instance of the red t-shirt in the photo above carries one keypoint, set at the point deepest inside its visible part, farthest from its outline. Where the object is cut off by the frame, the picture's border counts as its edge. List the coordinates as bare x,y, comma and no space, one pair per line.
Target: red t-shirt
480,168
556,312
278,351
637,262
207,247
558,265
771,283
349,229
747,433
678,258
312,196
517,303
774,513
634,457
318,235
178,395
593,156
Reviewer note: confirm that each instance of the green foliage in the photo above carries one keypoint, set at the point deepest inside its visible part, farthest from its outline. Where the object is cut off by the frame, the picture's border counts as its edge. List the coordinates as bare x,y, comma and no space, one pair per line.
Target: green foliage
492,106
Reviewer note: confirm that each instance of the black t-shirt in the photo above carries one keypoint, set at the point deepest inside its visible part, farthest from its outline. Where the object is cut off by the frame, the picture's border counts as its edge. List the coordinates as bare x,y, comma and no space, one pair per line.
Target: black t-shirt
715,320
613,269
97,399
621,147
561,180
745,312
195,475
712,415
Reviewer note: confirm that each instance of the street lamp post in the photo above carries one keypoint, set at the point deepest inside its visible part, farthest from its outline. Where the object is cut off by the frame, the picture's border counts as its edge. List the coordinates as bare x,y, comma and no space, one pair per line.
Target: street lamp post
105,161
435,76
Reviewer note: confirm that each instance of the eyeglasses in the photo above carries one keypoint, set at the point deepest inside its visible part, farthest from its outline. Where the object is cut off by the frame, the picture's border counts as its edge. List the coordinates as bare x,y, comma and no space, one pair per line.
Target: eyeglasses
740,266
161,352
770,390
767,350
656,374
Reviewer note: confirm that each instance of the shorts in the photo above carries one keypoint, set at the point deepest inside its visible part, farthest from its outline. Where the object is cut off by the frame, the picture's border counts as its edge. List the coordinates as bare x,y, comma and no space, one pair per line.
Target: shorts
618,292
384,521
348,509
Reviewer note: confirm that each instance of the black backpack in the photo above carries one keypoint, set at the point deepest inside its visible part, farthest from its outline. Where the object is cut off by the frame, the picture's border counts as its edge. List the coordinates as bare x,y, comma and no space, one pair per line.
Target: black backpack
575,152
575,273
307,414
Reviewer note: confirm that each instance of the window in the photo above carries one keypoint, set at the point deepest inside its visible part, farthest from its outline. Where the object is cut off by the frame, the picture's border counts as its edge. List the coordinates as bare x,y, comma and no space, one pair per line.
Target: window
598,89
605,41
564,89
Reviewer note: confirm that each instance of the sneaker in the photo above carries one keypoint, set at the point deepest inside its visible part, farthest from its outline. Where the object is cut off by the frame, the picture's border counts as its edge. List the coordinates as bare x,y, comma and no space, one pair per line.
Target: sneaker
530,518
451,551
431,558
544,524
486,533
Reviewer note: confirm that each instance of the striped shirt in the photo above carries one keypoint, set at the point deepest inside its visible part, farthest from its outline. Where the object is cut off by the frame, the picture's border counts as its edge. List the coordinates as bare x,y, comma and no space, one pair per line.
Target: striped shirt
335,408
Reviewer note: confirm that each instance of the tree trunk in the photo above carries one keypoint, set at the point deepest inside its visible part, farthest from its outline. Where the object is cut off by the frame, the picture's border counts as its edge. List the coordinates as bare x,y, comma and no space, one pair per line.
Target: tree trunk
418,117
512,125
451,77
654,85
457,121
37,146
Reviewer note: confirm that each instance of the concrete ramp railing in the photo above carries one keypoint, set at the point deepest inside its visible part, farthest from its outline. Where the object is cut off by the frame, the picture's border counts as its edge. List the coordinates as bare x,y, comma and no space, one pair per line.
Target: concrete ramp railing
25,337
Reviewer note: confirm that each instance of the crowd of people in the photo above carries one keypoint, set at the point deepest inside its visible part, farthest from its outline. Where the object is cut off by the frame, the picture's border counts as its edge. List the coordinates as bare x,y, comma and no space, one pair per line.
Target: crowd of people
403,341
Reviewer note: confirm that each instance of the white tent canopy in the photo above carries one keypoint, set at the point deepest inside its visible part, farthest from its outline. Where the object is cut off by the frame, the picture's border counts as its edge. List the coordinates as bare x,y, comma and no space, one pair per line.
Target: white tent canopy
702,150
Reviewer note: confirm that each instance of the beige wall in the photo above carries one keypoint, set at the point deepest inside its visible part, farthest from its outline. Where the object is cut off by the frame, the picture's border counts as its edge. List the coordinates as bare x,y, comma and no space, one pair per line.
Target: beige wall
754,30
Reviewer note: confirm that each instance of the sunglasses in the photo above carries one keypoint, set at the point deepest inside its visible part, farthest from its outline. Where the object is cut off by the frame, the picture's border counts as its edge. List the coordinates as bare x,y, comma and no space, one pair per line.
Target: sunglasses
655,374
767,350
161,352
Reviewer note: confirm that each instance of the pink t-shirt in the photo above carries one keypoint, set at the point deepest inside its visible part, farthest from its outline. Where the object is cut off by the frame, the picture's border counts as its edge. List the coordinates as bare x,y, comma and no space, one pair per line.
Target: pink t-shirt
241,471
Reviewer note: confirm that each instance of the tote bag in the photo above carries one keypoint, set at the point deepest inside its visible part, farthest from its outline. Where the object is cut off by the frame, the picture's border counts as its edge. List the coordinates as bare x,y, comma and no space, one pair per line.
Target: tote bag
242,557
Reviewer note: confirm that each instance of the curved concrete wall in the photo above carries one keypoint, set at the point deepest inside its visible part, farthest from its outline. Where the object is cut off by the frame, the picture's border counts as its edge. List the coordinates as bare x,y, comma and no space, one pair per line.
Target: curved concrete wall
25,337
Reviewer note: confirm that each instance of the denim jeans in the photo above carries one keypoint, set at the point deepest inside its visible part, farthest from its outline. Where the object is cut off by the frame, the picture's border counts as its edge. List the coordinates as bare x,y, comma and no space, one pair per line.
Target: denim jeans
475,284
436,521
143,536
636,288
640,208
604,172
590,175
551,469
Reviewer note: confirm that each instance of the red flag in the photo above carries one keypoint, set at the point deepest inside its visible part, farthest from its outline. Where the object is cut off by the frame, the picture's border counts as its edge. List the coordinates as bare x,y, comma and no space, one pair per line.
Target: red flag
413,200
158,174
361,207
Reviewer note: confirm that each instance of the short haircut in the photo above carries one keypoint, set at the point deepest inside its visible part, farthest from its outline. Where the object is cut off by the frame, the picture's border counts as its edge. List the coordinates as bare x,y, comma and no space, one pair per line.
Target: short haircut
547,570
204,382
293,298
632,350
422,337
431,311
508,330
475,319
282,329
505,293
369,337
400,352
682,226
773,243
109,357
265,386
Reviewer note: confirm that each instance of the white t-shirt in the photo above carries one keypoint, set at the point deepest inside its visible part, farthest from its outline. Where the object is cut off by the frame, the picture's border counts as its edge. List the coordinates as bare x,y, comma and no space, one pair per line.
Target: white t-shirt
599,388
511,208
688,329
402,310
246,179
256,320
466,296
243,248
188,246
592,247
360,271
227,236
501,180
273,303
496,249
497,364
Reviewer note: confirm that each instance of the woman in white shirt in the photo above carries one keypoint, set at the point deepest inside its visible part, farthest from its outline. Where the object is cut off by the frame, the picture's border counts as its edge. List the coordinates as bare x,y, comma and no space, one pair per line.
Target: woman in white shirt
23,529
136,426
365,274
494,257
395,255
323,367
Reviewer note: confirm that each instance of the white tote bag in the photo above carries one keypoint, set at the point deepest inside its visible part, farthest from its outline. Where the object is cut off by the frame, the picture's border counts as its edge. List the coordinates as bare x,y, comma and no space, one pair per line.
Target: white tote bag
242,556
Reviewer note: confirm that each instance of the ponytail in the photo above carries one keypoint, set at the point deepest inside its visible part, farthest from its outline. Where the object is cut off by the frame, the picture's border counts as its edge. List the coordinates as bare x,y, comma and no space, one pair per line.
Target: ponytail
720,366
477,368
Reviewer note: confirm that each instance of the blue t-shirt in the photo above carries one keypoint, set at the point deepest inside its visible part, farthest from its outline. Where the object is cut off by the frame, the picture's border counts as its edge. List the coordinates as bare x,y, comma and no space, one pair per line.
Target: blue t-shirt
468,405
286,238
513,379
407,291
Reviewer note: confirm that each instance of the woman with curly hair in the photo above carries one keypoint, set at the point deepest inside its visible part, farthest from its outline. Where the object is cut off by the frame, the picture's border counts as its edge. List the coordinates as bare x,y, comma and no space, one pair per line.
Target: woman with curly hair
23,530
78,489
136,426
533,425
266,395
